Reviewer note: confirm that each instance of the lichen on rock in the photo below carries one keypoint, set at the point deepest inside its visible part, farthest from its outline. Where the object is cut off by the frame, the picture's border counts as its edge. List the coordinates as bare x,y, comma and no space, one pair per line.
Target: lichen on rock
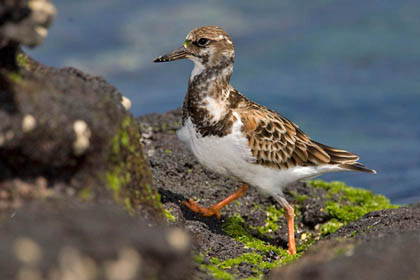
128,175
71,129
346,204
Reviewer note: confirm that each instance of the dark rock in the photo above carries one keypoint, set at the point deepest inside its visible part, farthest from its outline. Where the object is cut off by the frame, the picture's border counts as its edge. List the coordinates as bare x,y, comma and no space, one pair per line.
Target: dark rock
69,240
379,224
25,21
394,257
312,206
62,127
380,245
65,133
179,176
71,129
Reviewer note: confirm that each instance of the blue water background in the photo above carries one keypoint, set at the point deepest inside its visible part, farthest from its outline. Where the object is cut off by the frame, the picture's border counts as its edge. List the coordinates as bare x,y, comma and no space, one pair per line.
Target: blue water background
348,72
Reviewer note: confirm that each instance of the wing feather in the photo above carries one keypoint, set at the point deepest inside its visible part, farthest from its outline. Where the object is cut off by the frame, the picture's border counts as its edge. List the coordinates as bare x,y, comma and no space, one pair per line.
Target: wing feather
279,143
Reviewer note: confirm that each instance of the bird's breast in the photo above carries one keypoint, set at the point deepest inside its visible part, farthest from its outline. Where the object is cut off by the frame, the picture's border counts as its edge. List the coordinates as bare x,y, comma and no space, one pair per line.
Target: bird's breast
221,154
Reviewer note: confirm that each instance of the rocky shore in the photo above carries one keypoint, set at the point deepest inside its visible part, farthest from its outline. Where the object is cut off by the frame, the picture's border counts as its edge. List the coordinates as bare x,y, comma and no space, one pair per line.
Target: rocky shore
339,228
87,191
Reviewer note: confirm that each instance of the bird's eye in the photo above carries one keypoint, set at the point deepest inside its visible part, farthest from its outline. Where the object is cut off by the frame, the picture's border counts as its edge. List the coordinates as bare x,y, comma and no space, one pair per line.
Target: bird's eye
202,42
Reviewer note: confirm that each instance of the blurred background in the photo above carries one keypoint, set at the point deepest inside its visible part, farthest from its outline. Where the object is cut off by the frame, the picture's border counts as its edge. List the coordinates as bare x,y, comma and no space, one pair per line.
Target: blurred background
347,72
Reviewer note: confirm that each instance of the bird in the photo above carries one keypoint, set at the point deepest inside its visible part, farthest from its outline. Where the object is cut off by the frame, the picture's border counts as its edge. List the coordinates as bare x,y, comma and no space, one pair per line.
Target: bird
231,135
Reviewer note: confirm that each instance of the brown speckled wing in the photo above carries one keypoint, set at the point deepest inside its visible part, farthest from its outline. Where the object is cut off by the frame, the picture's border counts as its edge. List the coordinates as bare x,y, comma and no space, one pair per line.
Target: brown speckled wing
279,143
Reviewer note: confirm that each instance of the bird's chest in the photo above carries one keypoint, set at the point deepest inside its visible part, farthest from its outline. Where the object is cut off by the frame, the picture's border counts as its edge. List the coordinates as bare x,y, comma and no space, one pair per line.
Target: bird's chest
210,116
221,154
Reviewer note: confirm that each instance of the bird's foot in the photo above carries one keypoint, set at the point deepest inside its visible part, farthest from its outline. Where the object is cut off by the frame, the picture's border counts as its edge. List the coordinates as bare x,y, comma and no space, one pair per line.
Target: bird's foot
292,250
204,211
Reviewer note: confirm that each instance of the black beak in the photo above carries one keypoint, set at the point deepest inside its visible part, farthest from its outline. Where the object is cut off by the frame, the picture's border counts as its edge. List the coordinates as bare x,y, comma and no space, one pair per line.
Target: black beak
179,53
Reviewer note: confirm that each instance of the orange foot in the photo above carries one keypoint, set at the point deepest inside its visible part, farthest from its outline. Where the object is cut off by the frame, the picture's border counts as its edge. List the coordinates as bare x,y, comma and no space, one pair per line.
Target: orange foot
204,211
215,209
291,250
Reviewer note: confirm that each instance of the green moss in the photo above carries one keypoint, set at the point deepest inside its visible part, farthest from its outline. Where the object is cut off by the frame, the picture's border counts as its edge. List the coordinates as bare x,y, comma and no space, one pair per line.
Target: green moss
330,227
219,273
271,223
85,194
299,197
273,216
128,205
117,179
345,204
128,176
213,269
124,139
22,60
348,204
15,77
256,206
169,215
251,258
168,151
152,196
236,228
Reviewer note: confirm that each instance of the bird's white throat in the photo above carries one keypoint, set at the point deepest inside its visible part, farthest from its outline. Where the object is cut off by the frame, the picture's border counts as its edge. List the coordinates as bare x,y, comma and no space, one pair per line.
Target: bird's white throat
197,70
222,74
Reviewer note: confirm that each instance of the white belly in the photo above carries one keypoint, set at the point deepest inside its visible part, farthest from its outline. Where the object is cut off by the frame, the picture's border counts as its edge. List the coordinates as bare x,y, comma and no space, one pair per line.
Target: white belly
223,155
230,155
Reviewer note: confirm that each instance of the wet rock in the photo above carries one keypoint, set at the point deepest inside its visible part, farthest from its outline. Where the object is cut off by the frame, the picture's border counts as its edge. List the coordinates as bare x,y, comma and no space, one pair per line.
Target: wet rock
60,239
380,245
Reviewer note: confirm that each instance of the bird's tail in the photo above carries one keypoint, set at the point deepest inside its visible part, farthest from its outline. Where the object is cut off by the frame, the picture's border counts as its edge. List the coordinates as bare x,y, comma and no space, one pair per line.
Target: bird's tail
344,159
357,166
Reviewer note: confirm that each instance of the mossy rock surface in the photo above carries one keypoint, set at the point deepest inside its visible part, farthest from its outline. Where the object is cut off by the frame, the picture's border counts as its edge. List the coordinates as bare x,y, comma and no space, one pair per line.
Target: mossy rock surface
251,238
380,245
68,130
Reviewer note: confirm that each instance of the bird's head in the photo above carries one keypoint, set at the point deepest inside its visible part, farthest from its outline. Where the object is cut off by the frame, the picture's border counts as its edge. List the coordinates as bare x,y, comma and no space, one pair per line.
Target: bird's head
206,46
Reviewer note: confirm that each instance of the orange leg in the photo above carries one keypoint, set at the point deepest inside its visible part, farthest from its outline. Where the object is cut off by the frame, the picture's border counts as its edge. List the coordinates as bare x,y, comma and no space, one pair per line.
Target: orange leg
290,215
215,209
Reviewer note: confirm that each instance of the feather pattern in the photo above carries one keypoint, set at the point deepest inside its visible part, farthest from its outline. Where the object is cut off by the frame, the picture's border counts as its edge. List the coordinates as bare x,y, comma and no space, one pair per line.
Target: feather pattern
234,136
277,142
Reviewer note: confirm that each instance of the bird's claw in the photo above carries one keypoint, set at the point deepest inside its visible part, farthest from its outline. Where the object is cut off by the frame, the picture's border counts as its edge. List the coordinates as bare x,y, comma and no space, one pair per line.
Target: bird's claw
204,211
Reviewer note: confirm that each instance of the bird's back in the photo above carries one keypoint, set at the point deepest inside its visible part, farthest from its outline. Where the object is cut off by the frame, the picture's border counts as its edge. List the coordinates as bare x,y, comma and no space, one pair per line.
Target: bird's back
279,143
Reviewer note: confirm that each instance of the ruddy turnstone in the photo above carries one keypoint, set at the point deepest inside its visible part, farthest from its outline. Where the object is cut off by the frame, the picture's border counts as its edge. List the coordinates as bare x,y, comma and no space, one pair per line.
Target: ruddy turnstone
234,136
